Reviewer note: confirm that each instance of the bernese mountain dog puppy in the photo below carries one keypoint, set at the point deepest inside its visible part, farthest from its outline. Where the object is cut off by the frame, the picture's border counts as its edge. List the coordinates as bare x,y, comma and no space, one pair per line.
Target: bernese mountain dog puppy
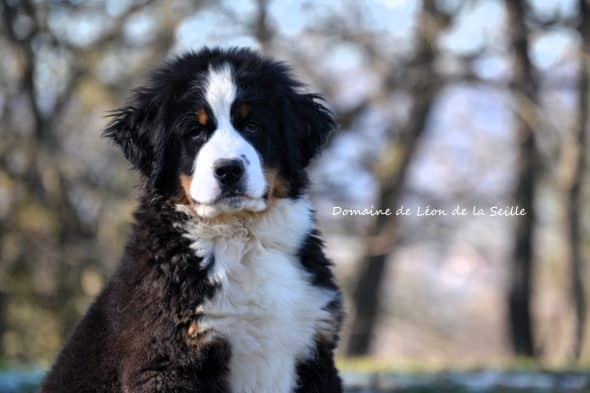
223,286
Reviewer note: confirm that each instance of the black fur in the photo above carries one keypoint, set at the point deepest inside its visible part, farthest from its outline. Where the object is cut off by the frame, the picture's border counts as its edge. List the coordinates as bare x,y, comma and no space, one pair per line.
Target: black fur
134,338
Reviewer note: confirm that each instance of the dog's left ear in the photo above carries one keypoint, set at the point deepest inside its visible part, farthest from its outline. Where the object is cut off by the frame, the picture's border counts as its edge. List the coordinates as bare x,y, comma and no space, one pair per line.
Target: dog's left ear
140,132
129,132
310,123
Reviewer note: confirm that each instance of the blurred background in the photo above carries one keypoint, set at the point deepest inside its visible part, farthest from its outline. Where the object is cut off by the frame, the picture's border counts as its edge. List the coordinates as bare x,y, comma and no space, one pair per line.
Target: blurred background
470,103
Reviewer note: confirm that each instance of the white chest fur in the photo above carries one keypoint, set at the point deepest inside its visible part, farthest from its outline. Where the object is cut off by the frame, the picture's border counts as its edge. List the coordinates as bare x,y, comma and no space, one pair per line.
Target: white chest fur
265,305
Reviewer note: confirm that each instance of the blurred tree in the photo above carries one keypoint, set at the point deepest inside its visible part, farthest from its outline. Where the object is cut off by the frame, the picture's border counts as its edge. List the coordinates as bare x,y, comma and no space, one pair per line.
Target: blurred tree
576,206
64,198
525,93
391,169
50,251
42,146
2,318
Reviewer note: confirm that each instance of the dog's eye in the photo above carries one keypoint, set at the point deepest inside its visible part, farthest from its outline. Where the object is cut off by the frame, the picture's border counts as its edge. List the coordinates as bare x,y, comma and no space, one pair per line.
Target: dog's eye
197,135
251,127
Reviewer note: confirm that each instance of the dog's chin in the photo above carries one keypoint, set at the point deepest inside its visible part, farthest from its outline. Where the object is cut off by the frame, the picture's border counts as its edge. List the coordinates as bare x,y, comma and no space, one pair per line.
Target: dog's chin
233,205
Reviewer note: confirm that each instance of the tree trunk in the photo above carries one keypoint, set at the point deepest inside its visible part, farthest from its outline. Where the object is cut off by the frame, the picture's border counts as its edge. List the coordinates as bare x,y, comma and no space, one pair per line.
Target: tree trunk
2,321
382,235
519,298
575,191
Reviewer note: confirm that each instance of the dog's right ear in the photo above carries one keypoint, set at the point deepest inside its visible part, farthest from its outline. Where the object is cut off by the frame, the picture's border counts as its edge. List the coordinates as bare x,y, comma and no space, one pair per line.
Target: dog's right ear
130,129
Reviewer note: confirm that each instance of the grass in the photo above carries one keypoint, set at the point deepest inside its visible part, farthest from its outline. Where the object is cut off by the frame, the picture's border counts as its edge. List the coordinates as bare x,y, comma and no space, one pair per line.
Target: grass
524,365
460,378
443,382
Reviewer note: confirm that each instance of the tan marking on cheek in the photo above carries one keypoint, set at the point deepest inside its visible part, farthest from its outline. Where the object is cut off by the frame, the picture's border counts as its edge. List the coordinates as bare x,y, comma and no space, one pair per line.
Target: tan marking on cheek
245,110
277,186
270,176
281,187
185,183
202,116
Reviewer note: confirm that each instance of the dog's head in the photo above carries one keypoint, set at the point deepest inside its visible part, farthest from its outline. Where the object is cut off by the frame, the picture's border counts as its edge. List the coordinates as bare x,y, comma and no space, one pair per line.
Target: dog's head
224,130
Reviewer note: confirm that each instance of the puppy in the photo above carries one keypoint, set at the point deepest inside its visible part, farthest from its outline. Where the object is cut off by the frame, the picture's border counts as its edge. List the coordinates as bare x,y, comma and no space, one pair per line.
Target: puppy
223,286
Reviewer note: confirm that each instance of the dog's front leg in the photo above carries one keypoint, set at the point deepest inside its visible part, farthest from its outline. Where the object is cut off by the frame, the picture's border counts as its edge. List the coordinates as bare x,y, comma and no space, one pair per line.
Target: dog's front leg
170,381
147,381
195,370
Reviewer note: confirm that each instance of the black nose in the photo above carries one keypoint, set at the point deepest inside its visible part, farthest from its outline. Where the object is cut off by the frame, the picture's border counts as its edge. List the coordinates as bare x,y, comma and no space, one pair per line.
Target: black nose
228,172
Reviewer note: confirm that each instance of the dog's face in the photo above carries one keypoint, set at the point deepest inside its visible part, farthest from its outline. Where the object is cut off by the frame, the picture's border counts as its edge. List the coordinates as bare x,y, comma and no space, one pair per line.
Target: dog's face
225,131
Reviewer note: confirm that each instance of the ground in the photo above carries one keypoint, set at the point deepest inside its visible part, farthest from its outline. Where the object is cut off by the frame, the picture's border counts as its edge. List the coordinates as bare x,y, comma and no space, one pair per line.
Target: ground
365,381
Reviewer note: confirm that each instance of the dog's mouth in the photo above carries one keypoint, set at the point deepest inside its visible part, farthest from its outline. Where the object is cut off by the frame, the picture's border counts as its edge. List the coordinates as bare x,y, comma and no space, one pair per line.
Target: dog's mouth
232,203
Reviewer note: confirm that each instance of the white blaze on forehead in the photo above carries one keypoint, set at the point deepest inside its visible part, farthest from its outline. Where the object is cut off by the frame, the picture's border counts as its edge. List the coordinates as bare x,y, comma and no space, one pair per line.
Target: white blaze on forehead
220,92
225,143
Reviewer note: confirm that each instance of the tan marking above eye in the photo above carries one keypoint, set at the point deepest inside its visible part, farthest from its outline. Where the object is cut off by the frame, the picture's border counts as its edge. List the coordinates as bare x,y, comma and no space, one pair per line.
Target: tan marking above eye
202,116
244,110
